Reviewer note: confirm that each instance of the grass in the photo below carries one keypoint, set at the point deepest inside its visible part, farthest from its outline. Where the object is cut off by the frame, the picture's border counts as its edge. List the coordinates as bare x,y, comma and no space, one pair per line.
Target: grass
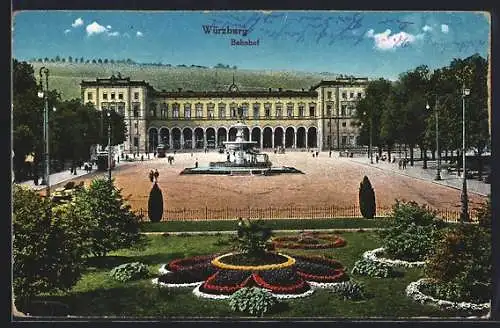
281,224
96,294
66,77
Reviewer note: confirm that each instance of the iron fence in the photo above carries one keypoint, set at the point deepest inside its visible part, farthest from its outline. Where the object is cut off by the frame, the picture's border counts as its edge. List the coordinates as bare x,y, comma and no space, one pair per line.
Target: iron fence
326,212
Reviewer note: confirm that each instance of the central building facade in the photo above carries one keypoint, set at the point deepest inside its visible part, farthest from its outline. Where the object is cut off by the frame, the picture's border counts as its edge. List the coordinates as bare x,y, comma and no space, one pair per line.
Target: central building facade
323,117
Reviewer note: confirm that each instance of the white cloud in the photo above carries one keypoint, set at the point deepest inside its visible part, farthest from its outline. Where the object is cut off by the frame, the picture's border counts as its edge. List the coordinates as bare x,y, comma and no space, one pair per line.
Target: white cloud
108,27
77,22
66,31
445,28
386,41
115,33
426,28
95,28
139,34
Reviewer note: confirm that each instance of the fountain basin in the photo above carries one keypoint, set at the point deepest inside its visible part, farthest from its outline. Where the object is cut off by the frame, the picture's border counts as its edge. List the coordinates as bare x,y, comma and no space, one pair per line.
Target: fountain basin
241,170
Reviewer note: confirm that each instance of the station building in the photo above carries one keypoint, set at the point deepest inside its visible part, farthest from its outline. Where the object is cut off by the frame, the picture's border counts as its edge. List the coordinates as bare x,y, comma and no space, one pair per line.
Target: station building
322,117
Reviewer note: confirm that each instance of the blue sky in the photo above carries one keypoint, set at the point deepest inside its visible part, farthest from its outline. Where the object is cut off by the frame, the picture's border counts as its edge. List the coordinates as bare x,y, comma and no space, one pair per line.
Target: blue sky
372,44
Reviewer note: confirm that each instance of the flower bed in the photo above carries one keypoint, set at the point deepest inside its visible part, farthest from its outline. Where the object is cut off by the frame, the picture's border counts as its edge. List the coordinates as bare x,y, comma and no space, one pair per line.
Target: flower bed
288,279
373,256
309,240
188,262
414,292
217,262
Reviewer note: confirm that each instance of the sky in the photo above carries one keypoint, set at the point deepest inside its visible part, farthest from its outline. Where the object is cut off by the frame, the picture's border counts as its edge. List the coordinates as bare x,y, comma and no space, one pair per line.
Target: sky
368,44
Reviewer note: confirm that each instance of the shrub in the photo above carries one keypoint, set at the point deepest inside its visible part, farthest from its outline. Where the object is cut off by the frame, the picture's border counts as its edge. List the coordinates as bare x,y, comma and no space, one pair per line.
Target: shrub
367,199
47,245
69,185
350,290
255,301
155,204
253,237
110,223
461,265
370,268
413,232
129,271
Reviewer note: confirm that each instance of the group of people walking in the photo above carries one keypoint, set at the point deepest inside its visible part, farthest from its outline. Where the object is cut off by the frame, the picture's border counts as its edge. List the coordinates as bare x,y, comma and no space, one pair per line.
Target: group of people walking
153,175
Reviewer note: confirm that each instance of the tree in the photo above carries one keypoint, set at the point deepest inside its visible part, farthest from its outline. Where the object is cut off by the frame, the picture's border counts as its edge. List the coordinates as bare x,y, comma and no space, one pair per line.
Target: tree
81,59
105,61
57,59
46,59
63,60
155,204
252,237
99,61
111,224
47,250
70,59
94,61
367,203
118,128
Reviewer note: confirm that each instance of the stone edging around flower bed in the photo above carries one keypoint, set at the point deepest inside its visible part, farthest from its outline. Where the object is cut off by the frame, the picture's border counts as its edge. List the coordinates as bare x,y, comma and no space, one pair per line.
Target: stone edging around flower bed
372,255
163,269
199,293
413,291
163,284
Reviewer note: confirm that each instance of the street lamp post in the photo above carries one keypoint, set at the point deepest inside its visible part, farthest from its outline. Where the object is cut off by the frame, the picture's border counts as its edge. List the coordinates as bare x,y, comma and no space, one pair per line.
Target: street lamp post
109,146
464,215
370,152
436,116
45,96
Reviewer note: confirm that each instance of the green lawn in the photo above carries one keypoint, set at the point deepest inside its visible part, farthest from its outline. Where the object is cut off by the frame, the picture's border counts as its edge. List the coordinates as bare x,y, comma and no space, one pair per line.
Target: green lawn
282,224
97,295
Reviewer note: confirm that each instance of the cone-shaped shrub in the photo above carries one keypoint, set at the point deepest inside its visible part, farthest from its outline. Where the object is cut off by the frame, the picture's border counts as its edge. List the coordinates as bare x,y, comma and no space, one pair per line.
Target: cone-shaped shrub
155,204
367,199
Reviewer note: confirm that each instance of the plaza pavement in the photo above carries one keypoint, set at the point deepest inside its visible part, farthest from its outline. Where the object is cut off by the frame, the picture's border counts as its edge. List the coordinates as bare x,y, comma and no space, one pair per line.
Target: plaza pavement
451,180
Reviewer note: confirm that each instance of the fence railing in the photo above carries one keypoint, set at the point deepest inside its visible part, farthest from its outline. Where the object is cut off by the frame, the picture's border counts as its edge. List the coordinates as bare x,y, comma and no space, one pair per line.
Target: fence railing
327,212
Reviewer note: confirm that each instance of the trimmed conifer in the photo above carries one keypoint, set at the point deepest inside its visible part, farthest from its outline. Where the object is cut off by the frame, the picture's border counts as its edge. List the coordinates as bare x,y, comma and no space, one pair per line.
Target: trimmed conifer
155,204
367,199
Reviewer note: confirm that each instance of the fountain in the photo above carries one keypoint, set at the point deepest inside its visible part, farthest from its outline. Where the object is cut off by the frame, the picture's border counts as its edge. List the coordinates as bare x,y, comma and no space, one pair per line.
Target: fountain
242,159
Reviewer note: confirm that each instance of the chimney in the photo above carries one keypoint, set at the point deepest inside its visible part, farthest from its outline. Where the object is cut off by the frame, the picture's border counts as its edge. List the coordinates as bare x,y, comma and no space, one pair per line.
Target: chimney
280,89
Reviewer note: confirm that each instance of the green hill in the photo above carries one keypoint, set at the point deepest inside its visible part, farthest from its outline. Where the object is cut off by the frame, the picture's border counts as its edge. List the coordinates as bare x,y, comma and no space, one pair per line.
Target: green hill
66,77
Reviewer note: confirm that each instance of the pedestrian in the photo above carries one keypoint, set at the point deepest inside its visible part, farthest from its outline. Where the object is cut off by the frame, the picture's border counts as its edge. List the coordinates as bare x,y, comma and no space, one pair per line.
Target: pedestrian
35,177
313,154
400,163
376,158
330,153
317,153
151,175
118,159
154,154
156,174
191,154
196,164
404,164
142,158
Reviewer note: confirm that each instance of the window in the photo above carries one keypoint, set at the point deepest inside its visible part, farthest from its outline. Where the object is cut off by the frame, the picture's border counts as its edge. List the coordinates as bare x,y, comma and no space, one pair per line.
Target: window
329,95
351,140
351,95
289,110
222,111
104,105
344,124
245,110
256,111
136,141
199,110
121,108
164,110
112,107
267,110
136,126
90,95
359,95
175,110
344,95
301,110
120,96
152,110
136,108
105,96
328,110
344,140
353,111
312,110
353,123
187,111
343,110
233,110
210,111
112,96
136,95
279,113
